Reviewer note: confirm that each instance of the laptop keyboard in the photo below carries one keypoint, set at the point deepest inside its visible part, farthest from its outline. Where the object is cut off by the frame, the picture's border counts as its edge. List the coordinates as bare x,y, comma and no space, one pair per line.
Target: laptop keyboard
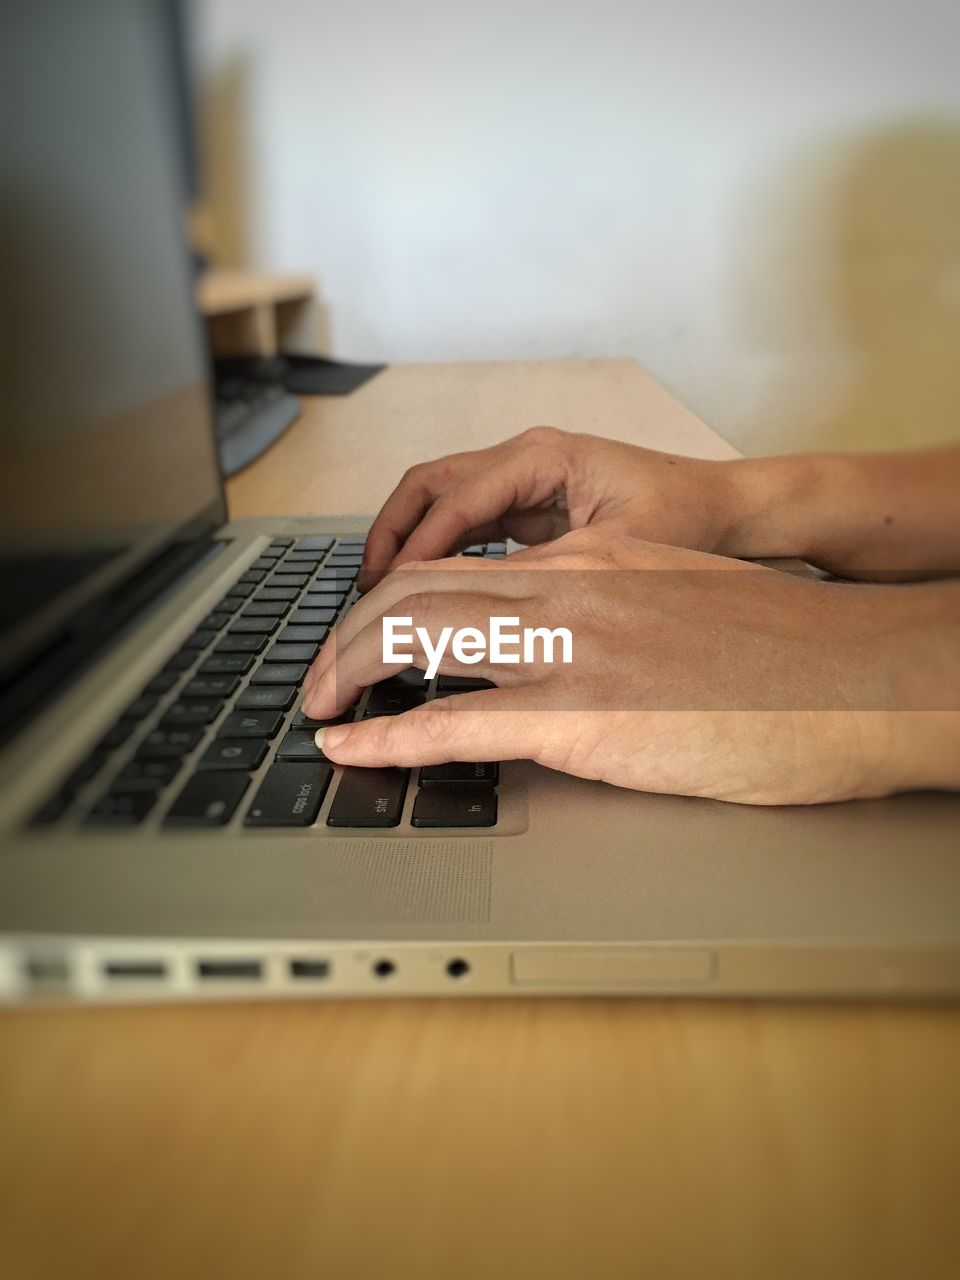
227,703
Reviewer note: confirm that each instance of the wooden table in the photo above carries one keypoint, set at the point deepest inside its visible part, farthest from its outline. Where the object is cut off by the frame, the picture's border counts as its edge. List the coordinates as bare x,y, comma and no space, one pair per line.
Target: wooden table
469,1140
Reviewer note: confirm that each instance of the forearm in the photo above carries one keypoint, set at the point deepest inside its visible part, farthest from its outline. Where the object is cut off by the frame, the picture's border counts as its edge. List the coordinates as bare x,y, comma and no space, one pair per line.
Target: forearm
868,516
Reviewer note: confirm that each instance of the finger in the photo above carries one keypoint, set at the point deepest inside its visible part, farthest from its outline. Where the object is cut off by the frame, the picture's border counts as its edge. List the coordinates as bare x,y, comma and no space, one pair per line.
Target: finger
457,574
517,481
401,513
361,662
493,724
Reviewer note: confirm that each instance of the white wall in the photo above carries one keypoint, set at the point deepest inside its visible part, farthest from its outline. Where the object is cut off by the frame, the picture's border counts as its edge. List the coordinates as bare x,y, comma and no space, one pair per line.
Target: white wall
760,201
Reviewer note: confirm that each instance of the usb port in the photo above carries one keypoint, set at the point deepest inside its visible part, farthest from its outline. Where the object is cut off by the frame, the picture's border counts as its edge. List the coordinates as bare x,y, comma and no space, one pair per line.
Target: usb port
309,968
243,970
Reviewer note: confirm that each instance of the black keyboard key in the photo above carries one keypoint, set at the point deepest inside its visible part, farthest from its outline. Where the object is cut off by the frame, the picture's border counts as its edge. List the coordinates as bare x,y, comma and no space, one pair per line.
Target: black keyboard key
145,775
252,577
269,594
241,644
181,661
116,736
299,745
51,810
349,560
461,684
208,799
339,575
273,552
162,683
352,540
196,711
234,753
266,609
227,664
409,678
55,806
282,542
241,590
252,724
477,774
140,707
272,696
200,639
229,604
292,652
280,673
168,744
317,542
264,562
496,549
289,579
303,559
215,621
290,796
301,721
392,700
369,798
82,774
121,809
209,687
453,806
303,635
254,626
311,617
323,600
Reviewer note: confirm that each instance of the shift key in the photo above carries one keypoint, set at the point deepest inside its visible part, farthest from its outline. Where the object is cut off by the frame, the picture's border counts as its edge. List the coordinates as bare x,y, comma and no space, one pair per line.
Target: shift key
369,798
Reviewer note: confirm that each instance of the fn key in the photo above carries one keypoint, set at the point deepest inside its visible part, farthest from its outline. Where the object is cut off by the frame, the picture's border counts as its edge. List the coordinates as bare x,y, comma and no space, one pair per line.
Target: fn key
463,806
369,798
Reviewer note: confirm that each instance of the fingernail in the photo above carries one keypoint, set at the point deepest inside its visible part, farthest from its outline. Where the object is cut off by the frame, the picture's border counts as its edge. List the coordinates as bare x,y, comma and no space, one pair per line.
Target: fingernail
332,736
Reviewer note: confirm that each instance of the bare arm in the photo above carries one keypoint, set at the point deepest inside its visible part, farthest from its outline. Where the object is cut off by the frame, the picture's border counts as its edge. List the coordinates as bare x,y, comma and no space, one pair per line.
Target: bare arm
872,516
876,516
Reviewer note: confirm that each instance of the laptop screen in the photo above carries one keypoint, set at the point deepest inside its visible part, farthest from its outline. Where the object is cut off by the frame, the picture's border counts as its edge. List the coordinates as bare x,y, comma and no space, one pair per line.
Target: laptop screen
106,446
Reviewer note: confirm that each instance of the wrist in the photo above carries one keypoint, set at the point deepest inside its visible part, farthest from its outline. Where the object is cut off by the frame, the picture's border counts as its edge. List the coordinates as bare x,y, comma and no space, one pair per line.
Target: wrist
913,741
787,506
910,751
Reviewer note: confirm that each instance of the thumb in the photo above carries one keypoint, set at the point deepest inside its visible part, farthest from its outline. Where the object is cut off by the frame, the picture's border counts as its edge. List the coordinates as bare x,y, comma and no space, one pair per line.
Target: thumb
488,725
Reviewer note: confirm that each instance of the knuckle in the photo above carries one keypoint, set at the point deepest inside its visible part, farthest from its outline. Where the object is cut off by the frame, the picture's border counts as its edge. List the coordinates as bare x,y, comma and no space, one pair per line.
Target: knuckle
435,719
450,508
410,604
542,435
586,539
378,733
447,469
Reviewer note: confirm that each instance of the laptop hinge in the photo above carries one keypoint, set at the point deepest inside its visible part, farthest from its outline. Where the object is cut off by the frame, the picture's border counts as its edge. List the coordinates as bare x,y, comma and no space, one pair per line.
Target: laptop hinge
93,630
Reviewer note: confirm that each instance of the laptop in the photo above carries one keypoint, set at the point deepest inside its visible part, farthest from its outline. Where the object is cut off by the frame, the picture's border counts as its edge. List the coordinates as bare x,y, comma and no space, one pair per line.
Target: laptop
168,828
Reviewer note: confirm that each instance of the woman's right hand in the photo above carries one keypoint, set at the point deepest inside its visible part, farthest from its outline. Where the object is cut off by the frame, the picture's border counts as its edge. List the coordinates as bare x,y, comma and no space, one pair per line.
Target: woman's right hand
542,484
